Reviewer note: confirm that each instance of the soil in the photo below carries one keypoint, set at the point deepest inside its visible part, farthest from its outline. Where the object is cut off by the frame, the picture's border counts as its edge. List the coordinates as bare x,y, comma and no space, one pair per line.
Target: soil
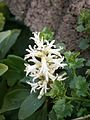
60,15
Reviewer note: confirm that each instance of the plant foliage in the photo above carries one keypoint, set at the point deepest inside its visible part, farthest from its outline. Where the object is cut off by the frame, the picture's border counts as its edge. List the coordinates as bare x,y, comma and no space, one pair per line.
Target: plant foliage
66,100
84,26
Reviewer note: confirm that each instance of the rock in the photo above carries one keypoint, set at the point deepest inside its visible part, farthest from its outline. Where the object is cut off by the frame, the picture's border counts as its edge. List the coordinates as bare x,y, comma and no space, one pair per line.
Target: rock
60,15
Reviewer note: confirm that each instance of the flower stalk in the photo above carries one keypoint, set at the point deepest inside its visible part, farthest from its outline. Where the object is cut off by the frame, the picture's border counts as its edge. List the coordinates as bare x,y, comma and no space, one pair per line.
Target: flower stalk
46,59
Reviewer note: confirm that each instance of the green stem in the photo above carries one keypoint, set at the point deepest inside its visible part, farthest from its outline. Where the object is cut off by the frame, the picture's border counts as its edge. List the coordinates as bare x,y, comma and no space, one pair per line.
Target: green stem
80,99
74,72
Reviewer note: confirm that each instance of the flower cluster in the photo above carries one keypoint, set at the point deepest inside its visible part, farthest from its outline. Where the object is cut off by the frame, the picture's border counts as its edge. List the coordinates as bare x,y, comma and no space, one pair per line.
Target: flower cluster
43,60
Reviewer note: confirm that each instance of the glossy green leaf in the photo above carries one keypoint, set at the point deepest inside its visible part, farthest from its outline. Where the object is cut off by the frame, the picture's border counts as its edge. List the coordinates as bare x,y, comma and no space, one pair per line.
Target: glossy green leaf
22,42
7,40
29,106
14,99
16,69
13,77
15,62
3,68
41,114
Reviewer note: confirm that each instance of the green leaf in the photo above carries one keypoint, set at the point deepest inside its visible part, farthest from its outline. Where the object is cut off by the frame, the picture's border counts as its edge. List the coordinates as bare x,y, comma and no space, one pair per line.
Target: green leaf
7,40
15,69
13,77
79,85
58,90
61,45
41,114
79,63
3,68
14,99
84,44
29,106
62,109
47,34
2,21
25,79
73,61
84,21
71,56
22,42
15,62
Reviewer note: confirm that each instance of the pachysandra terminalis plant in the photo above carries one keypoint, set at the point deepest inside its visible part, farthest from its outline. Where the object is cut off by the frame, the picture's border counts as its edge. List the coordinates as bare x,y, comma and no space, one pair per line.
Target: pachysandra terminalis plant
43,59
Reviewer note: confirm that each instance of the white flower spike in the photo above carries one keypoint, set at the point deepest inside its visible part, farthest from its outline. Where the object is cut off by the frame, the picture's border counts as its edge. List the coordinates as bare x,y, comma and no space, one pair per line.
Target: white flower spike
45,59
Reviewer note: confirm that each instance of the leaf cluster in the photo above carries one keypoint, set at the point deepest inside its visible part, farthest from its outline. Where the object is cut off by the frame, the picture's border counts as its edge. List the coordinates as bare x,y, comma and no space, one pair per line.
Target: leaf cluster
47,34
15,100
71,98
83,25
84,21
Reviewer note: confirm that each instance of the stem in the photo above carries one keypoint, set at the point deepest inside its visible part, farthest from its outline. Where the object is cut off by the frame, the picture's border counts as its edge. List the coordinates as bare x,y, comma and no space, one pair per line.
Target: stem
80,99
74,72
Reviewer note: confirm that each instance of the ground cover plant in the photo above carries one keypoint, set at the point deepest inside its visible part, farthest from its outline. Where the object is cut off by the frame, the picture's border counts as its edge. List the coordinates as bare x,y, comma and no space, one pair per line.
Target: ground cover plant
40,79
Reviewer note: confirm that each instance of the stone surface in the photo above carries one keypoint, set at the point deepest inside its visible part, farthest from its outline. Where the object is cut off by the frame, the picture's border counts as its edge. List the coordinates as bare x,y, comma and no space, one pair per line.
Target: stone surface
60,15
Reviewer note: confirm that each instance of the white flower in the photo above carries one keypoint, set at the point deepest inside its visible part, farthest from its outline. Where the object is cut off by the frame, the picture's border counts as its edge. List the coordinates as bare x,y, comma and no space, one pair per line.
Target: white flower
41,85
62,77
45,59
